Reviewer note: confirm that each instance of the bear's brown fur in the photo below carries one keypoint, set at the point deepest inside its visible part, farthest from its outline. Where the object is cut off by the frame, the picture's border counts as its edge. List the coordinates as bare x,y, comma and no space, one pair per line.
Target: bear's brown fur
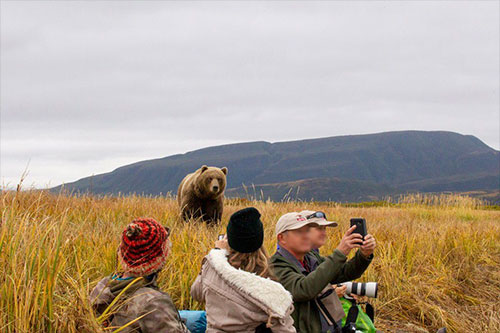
201,194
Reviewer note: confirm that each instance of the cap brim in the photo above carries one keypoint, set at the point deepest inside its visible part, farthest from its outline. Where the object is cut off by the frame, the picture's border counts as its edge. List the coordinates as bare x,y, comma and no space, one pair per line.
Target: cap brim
328,223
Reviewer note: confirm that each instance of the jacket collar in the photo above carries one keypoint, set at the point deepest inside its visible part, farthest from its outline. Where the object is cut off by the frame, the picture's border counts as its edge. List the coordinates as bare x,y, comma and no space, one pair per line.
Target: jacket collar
312,262
271,294
310,258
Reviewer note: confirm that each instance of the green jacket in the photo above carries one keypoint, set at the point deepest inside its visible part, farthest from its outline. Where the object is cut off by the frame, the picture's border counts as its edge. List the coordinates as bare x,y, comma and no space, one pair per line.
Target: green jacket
305,287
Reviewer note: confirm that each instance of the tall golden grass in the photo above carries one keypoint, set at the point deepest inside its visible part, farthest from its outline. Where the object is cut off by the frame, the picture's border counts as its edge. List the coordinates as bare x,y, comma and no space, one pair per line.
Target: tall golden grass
437,259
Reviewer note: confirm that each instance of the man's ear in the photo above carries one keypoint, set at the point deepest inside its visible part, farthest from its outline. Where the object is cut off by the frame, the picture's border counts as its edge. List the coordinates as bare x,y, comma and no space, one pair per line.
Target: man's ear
280,238
204,168
224,170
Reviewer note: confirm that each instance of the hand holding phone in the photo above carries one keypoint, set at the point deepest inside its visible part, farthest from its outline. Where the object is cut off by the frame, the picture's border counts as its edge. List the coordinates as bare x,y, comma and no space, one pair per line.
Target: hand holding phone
221,242
350,241
368,244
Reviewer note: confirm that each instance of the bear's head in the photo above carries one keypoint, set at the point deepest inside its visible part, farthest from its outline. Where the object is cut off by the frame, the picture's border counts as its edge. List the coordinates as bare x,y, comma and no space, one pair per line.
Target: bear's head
210,182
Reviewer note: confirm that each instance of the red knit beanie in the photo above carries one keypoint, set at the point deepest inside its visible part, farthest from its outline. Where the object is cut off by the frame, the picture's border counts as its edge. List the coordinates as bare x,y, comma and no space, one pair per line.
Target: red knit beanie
143,249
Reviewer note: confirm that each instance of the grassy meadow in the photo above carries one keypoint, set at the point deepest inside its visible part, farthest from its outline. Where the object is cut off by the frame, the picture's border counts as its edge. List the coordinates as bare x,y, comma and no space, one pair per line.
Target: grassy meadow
437,260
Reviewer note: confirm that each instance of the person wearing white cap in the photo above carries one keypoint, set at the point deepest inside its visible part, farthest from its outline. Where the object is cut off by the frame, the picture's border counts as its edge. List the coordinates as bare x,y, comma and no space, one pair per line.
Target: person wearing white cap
308,276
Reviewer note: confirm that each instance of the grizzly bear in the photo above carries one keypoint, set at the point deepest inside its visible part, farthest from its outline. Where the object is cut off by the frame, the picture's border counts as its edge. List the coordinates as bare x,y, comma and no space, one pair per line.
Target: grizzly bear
201,194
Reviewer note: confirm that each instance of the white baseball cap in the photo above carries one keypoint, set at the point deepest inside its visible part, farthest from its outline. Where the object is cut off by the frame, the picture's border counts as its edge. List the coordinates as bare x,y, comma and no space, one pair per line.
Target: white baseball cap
294,220
318,217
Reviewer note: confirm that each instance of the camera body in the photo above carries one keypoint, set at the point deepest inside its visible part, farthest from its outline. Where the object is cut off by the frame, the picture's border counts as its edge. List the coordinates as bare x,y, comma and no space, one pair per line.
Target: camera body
369,289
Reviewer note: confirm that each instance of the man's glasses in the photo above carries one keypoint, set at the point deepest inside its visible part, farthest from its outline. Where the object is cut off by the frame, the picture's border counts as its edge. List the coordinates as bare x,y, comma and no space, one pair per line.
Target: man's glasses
319,215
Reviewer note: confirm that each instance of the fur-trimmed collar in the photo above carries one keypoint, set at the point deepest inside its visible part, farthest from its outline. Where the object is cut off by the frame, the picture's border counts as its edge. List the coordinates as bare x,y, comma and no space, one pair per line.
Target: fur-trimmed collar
268,292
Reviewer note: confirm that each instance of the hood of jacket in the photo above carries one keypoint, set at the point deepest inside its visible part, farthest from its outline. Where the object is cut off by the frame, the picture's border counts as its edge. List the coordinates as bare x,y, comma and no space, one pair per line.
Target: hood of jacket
267,294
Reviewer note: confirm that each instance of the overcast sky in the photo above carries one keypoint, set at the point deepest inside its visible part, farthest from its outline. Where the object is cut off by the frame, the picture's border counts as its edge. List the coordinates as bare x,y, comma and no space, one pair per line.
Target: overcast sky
90,86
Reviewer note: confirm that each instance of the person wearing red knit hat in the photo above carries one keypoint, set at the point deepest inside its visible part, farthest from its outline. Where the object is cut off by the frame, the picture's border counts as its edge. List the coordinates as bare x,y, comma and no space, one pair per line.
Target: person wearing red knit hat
133,293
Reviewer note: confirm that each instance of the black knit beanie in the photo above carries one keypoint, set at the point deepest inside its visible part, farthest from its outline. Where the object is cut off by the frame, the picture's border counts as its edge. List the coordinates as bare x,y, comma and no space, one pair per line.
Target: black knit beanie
245,232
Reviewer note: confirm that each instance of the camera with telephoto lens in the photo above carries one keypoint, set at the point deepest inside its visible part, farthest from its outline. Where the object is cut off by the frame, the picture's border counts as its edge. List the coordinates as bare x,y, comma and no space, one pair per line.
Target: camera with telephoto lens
361,288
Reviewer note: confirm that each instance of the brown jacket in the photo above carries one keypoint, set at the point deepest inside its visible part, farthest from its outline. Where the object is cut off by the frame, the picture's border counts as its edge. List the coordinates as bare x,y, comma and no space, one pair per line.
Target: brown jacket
239,301
142,298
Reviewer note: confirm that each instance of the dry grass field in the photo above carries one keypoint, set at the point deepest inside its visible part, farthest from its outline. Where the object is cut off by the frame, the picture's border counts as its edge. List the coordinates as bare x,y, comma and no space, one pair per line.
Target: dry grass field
437,260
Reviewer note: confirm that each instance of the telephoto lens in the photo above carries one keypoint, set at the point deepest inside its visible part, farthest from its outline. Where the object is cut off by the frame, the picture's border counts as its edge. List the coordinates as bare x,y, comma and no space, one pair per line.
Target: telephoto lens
361,288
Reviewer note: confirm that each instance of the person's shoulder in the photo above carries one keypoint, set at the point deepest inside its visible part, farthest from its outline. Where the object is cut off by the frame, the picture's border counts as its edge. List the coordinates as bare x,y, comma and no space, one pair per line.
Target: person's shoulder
102,284
101,292
152,296
277,260
276,257
151,293
104,281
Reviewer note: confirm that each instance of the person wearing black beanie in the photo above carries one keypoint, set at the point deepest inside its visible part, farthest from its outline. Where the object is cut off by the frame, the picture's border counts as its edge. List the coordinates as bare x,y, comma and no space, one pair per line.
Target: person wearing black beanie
236,284
245,232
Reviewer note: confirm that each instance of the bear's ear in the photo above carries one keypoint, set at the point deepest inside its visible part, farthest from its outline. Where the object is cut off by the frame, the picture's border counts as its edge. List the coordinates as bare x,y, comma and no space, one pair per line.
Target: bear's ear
204,168
224,170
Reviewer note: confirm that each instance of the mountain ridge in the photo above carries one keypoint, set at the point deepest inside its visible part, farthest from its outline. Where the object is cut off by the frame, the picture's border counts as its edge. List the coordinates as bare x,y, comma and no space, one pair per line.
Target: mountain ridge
404,160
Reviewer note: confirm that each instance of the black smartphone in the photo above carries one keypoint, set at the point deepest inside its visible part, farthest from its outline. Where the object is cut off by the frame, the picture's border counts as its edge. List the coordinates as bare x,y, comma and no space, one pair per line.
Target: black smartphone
221,237
360,224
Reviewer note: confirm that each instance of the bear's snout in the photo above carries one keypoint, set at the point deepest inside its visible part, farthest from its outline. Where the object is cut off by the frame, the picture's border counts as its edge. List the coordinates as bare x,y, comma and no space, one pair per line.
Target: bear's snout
215,185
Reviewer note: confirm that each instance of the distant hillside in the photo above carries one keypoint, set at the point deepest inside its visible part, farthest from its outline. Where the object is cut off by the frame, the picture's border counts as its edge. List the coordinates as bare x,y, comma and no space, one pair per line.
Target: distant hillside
317,189
374,164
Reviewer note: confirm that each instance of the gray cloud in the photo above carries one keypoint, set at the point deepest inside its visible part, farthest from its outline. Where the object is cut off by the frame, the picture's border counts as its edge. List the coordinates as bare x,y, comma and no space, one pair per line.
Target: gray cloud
89,86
